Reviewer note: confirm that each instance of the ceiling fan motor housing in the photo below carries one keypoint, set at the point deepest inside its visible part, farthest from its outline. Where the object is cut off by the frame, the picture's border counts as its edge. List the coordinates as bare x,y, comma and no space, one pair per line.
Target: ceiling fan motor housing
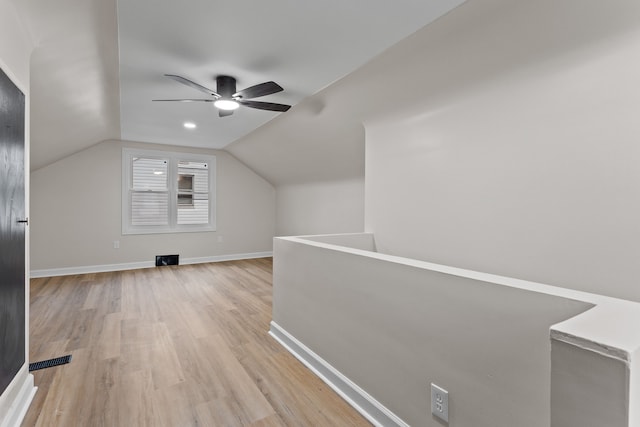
226,86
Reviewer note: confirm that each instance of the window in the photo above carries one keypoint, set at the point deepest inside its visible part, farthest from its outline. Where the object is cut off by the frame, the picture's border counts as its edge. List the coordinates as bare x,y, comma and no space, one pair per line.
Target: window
167,192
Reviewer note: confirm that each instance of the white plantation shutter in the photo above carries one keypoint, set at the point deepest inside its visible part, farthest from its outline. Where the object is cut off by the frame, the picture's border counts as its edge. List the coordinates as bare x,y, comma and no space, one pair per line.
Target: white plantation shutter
149,174
149,208
149,193
196,212
163,192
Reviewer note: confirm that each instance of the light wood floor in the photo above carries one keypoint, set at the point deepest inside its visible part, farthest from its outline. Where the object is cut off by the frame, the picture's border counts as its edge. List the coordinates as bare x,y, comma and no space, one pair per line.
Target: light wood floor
170,346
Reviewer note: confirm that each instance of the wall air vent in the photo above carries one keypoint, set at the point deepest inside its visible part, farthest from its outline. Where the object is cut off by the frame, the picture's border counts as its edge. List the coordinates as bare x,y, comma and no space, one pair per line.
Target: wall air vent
167,260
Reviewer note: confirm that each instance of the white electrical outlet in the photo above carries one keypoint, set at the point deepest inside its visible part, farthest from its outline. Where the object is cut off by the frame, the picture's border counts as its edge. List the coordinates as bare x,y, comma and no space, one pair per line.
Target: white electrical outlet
116,244
440,402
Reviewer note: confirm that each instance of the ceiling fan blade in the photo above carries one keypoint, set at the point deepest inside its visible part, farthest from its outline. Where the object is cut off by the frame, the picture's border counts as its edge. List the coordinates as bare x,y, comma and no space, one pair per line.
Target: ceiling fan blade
225,113
192,84
271,106
262,89
184,100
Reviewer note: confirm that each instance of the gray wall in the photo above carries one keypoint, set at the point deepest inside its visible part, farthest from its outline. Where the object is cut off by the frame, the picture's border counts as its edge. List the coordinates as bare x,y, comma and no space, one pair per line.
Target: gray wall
320,207
518,151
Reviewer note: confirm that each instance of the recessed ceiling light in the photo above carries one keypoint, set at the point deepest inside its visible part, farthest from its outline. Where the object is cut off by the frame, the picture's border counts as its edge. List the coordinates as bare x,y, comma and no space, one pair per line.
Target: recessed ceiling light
226,104
189,125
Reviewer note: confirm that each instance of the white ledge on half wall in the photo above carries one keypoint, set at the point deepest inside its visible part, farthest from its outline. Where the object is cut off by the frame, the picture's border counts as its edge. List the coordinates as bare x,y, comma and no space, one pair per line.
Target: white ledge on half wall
384,304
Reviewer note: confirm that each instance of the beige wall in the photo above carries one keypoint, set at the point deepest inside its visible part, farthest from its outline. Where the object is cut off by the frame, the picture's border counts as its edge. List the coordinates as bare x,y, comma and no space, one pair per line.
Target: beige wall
521,159
76,213
320,207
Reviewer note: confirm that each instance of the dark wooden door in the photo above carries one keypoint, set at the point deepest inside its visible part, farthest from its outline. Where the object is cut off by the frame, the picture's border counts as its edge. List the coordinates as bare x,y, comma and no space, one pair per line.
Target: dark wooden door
12,231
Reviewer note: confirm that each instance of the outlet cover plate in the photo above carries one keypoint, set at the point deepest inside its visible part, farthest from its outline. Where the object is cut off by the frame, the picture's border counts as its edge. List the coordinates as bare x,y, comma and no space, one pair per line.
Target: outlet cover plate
440,402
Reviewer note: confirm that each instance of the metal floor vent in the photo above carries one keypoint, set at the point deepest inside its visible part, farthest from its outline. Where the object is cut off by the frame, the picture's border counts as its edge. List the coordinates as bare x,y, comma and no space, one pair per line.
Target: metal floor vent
49,363
167,260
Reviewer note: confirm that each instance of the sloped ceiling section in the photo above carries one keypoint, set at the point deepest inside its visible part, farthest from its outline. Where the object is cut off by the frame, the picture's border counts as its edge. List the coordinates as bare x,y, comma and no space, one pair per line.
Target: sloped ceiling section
98,64
74,76
481,41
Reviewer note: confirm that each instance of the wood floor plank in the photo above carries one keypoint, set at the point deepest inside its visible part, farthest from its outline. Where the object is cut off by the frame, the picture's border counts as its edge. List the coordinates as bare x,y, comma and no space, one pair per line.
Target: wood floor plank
238,385
105,409
270,421
108,344
171,346
136,403
70,384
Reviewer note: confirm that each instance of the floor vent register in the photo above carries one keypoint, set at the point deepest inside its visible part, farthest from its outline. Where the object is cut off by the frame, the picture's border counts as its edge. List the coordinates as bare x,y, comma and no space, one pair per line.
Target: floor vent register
49,363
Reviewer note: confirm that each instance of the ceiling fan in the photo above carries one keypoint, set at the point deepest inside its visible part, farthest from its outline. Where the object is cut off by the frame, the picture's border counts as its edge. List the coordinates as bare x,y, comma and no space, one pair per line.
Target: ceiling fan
227,99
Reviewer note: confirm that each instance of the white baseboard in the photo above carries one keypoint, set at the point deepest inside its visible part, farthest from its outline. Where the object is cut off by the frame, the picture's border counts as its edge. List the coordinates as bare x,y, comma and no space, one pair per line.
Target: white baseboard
67,271
364,403
220,258
17,399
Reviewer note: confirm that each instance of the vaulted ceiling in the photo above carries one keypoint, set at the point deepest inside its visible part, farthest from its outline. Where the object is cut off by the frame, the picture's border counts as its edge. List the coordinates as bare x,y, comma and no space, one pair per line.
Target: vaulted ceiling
97,66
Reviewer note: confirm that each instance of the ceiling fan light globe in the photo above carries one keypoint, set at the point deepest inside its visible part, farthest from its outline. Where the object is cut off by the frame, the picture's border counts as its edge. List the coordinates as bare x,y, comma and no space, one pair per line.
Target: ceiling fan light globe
226,104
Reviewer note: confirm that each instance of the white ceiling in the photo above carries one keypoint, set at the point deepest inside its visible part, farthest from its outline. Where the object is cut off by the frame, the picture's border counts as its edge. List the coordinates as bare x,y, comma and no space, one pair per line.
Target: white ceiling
76,72
97,64
302,45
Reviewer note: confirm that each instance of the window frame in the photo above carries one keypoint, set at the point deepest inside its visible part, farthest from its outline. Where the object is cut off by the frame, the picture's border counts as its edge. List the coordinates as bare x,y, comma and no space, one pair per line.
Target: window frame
172,158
